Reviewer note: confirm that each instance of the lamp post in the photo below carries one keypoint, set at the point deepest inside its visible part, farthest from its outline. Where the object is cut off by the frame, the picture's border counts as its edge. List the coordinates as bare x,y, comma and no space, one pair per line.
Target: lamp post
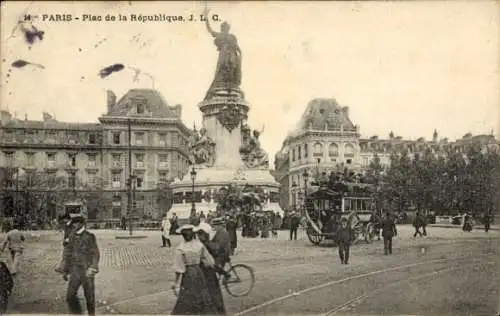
193,177
294,202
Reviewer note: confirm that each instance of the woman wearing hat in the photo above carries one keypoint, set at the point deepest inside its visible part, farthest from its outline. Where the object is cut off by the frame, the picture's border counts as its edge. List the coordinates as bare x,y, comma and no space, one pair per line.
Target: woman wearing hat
190,286
203,232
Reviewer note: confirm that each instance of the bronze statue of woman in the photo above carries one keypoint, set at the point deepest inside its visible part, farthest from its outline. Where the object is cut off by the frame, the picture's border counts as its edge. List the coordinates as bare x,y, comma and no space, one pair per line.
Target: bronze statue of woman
228,71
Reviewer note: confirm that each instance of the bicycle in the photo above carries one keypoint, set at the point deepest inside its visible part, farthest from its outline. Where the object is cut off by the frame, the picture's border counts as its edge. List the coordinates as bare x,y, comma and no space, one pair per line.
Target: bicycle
235,275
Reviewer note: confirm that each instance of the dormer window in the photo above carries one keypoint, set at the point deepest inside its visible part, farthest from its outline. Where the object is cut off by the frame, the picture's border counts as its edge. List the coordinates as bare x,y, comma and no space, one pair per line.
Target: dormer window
140,108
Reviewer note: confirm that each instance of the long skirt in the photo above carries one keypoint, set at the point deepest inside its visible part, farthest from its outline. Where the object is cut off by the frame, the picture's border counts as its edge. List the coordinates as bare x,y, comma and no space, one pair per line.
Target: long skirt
215,290
194,296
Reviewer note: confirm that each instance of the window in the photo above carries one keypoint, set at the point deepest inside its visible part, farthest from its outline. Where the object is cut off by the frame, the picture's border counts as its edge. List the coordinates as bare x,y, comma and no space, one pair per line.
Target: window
139,138
9,134
349,151
318,150
163,160
117,212
92,160
162,177
299,153
51,160
72,160
92,138
51,179
116,138
306,149
139,182
51,135
140,108
92,179
116,179
163,139
333,150
72,180
116,160
139,160
293,154
9,159
30,157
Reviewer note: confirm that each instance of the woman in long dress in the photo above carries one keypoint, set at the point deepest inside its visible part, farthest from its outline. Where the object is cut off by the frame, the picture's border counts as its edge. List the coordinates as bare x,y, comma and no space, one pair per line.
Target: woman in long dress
193,296
203,232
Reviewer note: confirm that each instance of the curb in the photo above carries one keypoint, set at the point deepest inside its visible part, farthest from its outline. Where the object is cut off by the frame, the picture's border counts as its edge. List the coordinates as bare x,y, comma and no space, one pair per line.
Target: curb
460,227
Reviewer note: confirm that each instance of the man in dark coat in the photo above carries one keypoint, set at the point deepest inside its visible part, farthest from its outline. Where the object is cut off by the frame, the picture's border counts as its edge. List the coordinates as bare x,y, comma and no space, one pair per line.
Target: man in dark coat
68,229
487,221
294,225
417,223
81,263
223,242
388,232
344,237
231,226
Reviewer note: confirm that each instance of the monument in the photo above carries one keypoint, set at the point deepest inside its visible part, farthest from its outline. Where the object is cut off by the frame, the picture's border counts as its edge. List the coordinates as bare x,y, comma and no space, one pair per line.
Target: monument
225,151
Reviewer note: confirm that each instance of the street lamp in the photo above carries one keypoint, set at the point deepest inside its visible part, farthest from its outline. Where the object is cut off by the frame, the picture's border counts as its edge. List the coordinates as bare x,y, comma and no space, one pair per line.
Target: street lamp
294,202
193,177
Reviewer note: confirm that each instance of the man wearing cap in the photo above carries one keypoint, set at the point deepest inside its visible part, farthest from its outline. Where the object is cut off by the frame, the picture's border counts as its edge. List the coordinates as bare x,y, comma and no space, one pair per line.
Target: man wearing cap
294,225
344,237
222,240
388,232
81,263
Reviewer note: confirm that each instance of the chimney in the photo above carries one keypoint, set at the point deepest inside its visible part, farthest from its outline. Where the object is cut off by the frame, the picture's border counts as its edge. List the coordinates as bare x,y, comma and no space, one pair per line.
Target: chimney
111,100
345,109
5,117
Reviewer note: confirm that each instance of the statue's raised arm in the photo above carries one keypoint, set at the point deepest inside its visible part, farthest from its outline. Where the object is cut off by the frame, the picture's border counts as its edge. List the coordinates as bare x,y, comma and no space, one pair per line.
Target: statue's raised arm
207,23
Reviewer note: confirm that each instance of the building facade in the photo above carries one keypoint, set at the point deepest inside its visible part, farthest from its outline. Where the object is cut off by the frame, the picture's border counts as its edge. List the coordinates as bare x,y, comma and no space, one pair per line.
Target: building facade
75,159
325,140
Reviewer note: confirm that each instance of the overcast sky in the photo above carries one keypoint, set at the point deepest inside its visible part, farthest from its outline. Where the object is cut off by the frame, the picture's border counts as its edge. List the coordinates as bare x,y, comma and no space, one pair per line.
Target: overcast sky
408,66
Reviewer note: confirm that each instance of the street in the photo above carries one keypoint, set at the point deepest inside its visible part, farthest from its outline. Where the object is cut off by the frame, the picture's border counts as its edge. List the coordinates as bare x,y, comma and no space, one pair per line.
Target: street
447,273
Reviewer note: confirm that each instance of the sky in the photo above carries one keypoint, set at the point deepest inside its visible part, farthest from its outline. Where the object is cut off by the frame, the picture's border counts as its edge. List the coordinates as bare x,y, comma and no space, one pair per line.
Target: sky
409,67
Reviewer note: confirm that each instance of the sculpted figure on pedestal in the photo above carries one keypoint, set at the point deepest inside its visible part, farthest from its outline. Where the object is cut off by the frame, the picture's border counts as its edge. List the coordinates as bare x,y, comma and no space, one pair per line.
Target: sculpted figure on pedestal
251,151
228,70
202,148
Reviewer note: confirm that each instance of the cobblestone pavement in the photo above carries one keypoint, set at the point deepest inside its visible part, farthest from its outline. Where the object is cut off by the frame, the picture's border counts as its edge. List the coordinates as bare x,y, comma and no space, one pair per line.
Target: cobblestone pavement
130,269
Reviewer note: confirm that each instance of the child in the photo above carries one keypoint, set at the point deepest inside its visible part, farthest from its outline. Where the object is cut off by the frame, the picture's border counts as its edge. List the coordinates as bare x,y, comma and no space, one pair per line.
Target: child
6,285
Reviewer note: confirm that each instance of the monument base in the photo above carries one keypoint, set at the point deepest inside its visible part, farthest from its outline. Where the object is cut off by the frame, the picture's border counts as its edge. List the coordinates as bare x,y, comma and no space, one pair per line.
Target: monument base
210,180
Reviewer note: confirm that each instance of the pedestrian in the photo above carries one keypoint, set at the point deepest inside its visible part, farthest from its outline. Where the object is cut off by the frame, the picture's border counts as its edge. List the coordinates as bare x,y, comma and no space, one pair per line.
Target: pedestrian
174,224
223,241
294,225
467,226
487,221
81,264
424,223
231,226
203,233
6,285
14,241
388,232
165,229
190,286
68,230
344,236
203,218
417,223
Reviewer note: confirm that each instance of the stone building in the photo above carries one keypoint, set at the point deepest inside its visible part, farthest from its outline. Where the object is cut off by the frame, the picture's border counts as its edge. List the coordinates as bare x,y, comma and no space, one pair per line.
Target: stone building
75,159
325,140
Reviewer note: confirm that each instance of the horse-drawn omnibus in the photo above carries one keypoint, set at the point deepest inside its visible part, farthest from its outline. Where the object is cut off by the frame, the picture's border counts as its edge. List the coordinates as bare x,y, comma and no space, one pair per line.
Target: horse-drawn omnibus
329,204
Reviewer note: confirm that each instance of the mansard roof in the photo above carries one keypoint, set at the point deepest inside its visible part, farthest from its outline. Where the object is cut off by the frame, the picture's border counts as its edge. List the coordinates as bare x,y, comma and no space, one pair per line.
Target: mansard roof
324,115
155,104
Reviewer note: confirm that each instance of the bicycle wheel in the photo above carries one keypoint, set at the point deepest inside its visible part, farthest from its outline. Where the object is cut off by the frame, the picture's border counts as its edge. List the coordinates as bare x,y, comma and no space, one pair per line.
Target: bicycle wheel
241,281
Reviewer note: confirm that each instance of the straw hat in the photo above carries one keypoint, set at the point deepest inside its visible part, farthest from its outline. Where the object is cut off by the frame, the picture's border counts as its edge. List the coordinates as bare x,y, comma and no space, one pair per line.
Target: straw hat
184,227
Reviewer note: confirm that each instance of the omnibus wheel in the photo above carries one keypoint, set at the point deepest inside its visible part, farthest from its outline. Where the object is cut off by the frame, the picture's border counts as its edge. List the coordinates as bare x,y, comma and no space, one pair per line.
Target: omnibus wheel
313,236
241,280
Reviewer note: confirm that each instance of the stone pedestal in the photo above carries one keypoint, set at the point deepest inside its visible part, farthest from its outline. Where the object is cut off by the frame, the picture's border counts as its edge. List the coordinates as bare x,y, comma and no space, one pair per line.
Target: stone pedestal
224,113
